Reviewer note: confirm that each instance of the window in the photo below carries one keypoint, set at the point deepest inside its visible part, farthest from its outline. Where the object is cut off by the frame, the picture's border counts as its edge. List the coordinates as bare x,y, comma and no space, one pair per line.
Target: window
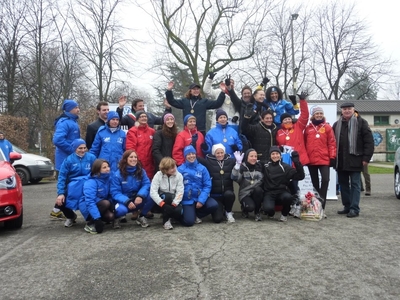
381,120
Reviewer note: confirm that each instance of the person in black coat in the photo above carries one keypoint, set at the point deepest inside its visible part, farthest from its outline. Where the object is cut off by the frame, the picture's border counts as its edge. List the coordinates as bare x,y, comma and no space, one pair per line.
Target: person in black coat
261,135
220,165
277,176
91,129
354,149
164,139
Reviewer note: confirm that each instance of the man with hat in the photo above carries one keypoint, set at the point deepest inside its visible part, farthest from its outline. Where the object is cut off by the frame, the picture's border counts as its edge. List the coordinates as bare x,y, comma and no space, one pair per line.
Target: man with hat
355,147
66,131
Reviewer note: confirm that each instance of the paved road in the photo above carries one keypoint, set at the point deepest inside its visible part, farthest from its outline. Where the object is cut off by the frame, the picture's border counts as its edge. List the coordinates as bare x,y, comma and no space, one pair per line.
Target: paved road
337,258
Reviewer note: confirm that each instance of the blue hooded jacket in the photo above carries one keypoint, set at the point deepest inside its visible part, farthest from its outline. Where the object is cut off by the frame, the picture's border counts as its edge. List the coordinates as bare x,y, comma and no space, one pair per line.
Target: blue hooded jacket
224,135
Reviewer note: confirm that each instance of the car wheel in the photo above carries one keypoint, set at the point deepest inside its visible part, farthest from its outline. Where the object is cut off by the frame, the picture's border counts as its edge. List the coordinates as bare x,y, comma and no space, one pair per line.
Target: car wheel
397,183
16,223
23,174
35,180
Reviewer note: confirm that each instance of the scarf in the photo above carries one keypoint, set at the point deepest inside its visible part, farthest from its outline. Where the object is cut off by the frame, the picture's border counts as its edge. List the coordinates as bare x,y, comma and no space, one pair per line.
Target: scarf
352,133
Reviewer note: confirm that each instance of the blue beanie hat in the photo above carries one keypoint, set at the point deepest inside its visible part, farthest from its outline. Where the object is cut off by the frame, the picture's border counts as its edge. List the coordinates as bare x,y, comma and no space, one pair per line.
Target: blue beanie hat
76,143
69,105
188,149
186,118
112,115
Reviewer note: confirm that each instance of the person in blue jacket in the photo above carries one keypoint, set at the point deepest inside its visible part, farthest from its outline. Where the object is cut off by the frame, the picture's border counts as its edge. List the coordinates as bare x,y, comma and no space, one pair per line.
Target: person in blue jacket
66,131
73,172
110,141
5,146
130,189
197,181
96,204
278,105
222,134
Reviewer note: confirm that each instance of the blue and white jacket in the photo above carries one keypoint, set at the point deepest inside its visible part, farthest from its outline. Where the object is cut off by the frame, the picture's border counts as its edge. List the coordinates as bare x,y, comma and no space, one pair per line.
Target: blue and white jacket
224,135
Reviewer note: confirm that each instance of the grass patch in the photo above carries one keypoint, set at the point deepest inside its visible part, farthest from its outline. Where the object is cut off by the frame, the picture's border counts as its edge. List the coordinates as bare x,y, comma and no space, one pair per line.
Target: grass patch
378,170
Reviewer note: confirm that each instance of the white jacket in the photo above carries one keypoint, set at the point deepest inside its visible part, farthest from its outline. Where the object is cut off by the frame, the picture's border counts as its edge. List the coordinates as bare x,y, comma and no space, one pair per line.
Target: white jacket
162,183
228,106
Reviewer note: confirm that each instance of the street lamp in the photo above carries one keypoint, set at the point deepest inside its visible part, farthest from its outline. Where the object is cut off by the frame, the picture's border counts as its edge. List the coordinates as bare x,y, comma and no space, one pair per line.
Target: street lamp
294,17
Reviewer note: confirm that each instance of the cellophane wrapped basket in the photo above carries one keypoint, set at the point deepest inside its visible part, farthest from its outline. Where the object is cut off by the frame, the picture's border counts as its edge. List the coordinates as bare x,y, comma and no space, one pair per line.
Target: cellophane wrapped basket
311,207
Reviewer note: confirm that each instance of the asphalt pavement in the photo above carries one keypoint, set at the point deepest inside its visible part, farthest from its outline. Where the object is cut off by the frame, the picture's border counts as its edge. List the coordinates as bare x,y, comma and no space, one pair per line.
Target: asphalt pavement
336,258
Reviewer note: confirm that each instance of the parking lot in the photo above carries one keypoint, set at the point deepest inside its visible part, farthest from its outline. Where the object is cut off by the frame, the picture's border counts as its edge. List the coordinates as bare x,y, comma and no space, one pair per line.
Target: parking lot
336,258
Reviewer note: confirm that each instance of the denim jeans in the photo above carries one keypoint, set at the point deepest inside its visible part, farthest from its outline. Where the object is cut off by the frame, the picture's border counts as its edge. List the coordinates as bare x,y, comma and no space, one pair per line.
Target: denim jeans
350,188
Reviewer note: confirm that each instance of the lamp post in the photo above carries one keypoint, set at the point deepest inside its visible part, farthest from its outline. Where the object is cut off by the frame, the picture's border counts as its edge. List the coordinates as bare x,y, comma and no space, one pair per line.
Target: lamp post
293,17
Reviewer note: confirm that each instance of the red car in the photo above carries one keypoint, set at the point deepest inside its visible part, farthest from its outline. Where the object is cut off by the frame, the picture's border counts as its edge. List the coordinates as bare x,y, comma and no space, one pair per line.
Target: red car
10,193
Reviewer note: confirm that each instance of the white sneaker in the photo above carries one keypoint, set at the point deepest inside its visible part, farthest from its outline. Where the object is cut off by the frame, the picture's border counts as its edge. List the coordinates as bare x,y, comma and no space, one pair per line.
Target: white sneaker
142,221
69,223
168,225
198,220
258,218
229,217
283,219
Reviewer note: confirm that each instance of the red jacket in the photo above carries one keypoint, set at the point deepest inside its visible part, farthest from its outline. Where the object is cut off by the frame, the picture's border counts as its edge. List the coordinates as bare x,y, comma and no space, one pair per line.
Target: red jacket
140,139
322,148
295,134
183,139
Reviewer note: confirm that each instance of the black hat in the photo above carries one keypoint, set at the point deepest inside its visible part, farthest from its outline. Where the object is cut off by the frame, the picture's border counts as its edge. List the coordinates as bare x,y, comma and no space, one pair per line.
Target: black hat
274,149
285,115
139,113
347,104
193,85
220,112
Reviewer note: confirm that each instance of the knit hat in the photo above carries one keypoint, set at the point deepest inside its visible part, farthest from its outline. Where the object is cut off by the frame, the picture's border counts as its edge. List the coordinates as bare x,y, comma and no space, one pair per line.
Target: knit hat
285,115
221,112
217,146
139,113
193,85
168,115
76,143
112,115
316,109
186,118
69,105
274,149
188,149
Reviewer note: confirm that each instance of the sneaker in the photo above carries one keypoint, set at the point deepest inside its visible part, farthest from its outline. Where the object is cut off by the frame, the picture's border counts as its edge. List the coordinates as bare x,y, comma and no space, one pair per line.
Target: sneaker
90,228
57,215
135,215
229,217
168,225
292,210
283,219
258,218
198,220
70,222
116,223
142,221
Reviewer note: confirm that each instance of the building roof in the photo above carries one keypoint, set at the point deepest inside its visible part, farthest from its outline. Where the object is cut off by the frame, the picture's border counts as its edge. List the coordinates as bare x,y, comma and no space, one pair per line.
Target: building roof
366,106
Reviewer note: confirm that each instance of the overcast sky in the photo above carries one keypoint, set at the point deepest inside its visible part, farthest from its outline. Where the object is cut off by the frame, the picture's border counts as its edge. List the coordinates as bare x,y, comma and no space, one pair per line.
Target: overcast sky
381,17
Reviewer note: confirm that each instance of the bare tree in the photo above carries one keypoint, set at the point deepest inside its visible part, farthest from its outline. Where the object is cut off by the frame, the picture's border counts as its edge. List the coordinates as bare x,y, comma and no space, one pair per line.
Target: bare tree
209,34
340,46
98,37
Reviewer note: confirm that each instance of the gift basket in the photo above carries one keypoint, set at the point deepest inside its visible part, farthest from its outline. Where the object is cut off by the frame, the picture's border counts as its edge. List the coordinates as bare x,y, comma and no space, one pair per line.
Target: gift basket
311,207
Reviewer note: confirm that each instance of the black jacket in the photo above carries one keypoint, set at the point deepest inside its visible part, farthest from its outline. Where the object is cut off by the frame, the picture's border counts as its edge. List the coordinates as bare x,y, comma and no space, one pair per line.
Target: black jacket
220,182
129,119
162,147
91,131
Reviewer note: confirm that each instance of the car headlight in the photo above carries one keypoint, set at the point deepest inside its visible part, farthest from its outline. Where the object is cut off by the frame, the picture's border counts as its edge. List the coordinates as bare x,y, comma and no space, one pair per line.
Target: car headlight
40,162
8,183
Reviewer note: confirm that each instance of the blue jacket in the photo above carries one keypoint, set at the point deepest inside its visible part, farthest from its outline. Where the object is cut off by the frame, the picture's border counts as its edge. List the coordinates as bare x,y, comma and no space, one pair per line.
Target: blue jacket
73,166
122,190
7,148
216,135
96,188
197,182
66,131
109,145
280,107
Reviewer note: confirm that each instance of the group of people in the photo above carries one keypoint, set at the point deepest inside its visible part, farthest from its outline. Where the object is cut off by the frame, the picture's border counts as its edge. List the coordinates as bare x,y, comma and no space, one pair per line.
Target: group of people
187,175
